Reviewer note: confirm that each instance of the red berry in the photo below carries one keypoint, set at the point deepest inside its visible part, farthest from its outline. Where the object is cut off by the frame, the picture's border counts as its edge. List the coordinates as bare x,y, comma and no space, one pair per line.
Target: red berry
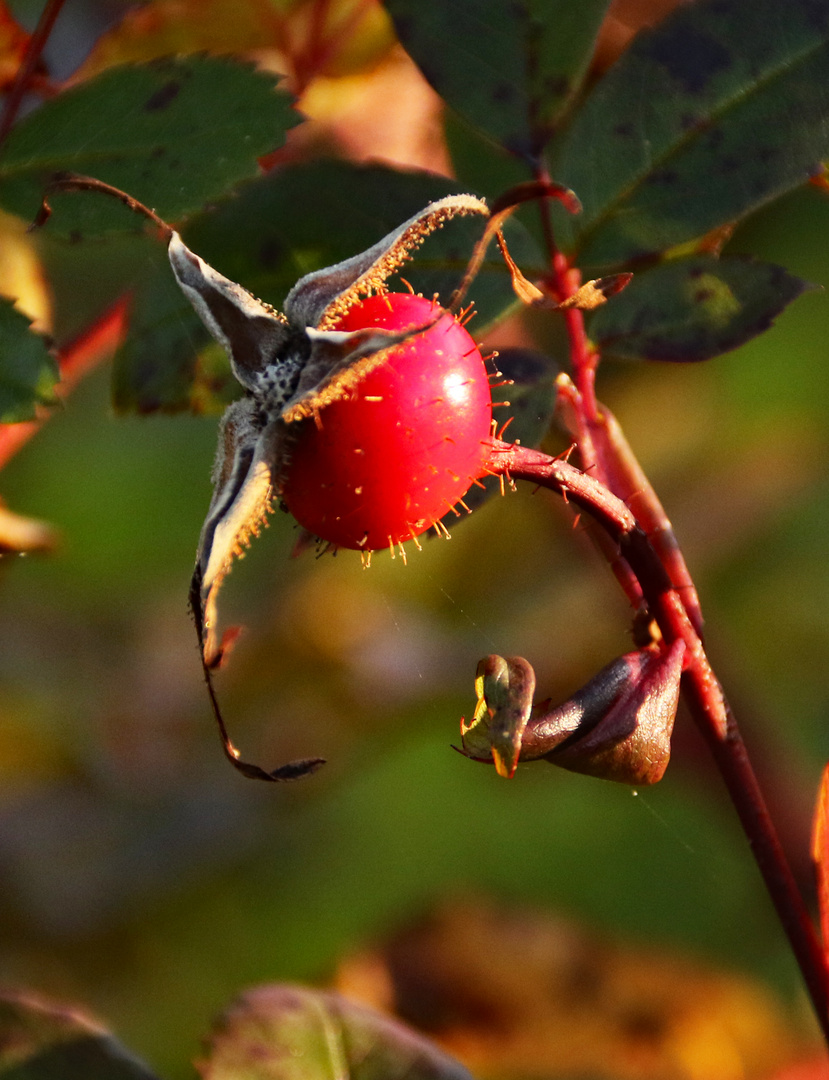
394,457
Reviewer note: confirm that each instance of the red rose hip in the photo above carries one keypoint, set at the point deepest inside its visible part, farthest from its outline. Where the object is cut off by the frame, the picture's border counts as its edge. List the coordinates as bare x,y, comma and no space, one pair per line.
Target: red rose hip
387,462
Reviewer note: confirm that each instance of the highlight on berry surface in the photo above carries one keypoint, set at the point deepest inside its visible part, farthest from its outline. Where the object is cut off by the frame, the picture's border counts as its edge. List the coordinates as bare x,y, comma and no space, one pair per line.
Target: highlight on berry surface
383,465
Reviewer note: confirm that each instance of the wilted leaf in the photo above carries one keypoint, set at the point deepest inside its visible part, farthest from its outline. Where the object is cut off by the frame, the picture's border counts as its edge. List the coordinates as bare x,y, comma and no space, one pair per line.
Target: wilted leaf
277,229
28,371
510,69
693,309
40,1041
173,133
290,1033
704,118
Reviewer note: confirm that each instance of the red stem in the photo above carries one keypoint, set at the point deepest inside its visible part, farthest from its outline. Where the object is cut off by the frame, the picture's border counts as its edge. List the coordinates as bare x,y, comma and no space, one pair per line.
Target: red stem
26,72
702,691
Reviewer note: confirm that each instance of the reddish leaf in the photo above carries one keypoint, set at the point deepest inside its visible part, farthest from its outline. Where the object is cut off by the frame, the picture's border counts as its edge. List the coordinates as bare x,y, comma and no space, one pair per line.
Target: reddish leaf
13,42
820,852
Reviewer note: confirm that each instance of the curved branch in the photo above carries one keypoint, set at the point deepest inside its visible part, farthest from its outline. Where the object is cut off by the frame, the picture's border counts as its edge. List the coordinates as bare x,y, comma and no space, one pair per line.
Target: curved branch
702,692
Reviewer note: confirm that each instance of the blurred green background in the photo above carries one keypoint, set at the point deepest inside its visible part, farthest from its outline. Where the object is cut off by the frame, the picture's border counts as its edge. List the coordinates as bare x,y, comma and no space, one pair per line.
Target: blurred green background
143,877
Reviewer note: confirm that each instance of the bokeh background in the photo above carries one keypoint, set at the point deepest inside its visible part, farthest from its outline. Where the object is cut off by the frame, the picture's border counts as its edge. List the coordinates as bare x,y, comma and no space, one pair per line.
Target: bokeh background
142,877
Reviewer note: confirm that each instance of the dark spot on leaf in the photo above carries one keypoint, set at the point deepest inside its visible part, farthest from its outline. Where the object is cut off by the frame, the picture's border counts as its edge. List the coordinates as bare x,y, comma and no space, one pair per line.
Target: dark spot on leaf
159,151
765,154
556,86
817,14
524,366
173,164
715,139
504,92
701,295
163,97
625,130
75,236
729,164
695,272
691,59
270,253
665,177
646,1027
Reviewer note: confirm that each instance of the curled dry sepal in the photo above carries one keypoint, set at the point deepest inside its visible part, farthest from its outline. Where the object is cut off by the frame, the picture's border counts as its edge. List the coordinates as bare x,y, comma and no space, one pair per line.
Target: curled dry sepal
617,726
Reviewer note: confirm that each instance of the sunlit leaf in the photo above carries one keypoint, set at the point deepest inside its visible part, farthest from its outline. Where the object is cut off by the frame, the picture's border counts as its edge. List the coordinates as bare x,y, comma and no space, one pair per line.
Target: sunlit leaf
704,118
330,39
168,27
173,133
40,1041
510,69
290,1033
28,370
693,308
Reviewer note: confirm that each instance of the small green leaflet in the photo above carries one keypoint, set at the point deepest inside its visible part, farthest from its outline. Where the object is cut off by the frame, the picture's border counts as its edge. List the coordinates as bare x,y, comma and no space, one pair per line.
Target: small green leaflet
28,370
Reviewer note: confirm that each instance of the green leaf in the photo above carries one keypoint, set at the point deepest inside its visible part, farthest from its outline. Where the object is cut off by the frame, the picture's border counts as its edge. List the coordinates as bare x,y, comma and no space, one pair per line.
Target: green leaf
719,109
694,308
28,370
511,69
156,368
290,1033
39,1041
277,229
174,133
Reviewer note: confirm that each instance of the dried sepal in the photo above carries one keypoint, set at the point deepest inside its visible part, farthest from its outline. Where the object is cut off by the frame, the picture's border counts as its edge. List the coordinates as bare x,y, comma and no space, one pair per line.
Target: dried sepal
320,298
250,331
243,490
504,687
617,727
594,293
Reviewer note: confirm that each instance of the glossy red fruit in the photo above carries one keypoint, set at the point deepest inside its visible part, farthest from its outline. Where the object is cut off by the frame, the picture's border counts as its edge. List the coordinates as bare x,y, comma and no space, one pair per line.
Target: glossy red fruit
397,455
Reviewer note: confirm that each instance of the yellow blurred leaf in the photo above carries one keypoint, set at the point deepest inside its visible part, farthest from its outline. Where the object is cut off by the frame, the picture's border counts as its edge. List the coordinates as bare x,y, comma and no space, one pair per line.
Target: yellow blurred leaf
518,994
168,27
21,275
24,534
304,39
